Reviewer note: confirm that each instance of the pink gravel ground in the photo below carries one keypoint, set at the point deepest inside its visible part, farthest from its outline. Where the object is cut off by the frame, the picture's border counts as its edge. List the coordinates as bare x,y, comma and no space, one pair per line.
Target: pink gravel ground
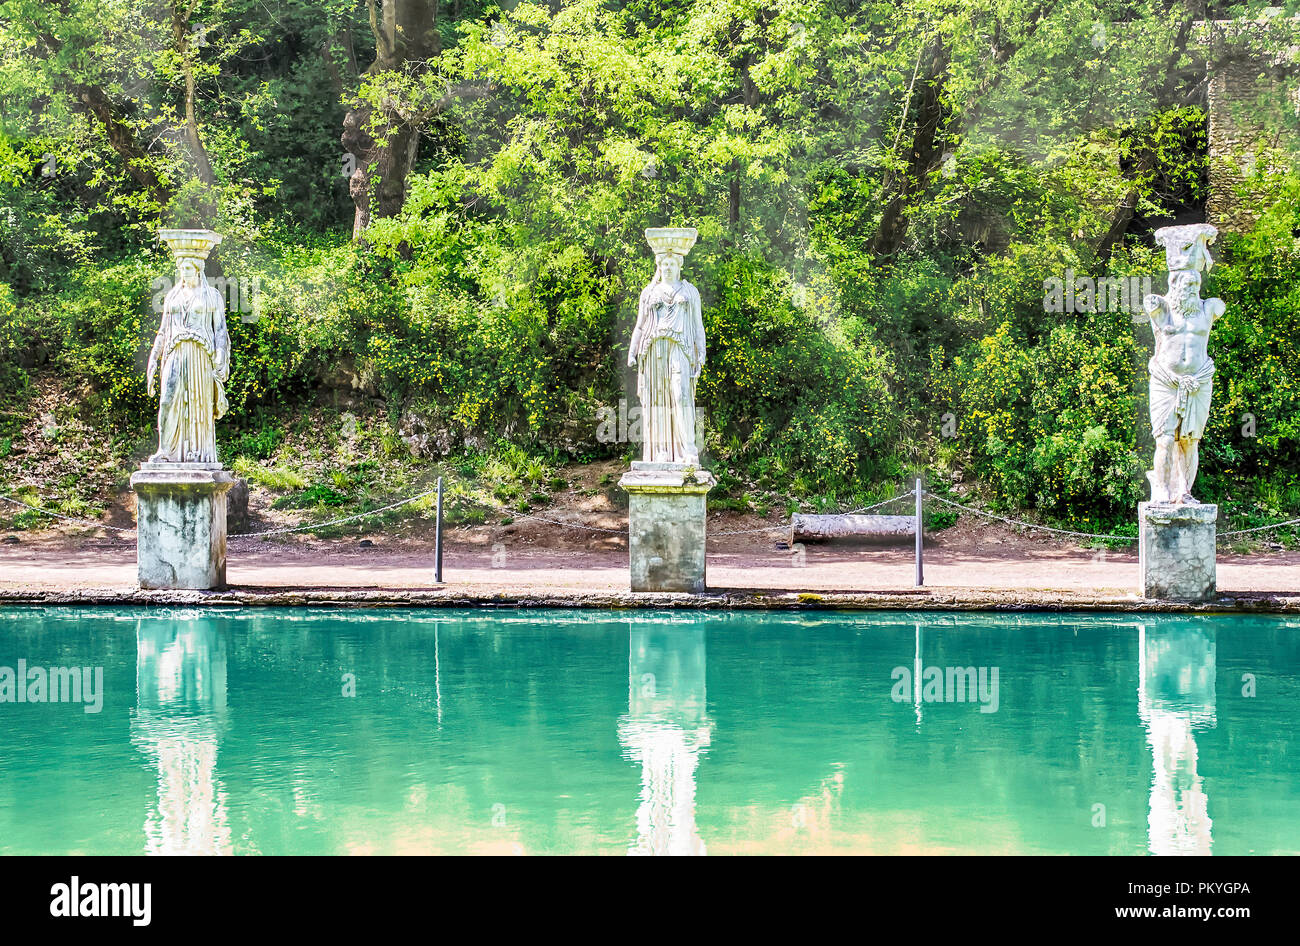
989,564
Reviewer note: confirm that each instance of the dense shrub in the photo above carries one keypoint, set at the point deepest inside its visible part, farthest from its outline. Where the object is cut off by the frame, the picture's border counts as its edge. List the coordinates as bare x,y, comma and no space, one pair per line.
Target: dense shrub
1055,425
782,390
1252,448
1061,423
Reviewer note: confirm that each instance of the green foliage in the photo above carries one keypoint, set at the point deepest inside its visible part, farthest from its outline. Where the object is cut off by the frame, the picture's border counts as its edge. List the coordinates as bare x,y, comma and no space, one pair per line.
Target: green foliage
260,443
277,478
497,304
1252,440
103,328
788,394
18,336
317,494
1054,425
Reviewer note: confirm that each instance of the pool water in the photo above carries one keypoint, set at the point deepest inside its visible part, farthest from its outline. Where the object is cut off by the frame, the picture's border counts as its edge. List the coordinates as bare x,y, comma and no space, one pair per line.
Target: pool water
281,731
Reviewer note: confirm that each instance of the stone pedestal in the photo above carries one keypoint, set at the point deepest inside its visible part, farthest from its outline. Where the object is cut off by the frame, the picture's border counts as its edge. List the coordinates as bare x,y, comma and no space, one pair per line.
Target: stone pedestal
666,525
1176,551
181,525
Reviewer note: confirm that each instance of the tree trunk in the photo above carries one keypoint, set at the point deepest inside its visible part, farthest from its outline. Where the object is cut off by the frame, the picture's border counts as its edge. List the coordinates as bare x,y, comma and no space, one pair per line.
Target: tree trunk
808,528
406,37
923,157
749,94
336,78
185,48
137,160
93,100
1146,160
1123,215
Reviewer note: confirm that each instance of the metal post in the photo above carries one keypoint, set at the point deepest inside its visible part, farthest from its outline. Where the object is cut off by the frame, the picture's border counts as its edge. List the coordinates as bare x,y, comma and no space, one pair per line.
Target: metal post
437,538
920,574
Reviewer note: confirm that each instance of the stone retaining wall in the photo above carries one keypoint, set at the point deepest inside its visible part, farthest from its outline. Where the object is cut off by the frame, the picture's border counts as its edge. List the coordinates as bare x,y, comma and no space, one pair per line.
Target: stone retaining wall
1251,93
918,600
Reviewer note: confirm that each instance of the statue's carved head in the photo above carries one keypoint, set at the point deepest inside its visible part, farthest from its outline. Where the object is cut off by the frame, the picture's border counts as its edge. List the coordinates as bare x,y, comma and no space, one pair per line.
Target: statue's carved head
190,271
1185,290
1188,247
670,267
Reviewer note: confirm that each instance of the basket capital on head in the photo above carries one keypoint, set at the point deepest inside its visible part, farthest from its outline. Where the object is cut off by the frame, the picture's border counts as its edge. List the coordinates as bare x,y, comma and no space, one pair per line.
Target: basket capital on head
675,240
190,244
1187,246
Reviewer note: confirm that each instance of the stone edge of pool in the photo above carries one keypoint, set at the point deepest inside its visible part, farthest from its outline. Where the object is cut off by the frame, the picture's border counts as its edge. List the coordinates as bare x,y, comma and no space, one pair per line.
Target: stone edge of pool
923,600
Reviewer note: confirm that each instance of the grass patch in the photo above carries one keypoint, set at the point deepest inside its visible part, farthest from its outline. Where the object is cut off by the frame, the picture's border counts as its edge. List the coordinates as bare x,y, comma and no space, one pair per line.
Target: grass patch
278,478
318,494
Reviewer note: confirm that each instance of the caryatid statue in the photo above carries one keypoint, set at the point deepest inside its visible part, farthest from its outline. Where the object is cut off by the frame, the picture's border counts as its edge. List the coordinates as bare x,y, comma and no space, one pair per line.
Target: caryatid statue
191,355
668,351
1181,369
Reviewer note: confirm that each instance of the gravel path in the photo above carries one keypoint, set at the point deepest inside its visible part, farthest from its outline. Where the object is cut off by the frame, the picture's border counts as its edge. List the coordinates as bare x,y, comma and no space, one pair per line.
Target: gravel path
962,570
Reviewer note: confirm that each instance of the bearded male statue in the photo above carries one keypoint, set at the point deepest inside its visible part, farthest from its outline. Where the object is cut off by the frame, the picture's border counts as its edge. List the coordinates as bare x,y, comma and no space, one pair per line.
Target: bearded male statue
1182,372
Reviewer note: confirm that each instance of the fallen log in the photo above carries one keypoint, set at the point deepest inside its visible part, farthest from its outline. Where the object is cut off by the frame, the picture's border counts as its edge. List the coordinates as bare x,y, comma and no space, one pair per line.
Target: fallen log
810,528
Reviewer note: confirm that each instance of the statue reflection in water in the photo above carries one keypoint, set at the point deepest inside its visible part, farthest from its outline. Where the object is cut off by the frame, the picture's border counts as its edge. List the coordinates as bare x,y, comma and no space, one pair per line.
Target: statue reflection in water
666,730
1176,665
180,682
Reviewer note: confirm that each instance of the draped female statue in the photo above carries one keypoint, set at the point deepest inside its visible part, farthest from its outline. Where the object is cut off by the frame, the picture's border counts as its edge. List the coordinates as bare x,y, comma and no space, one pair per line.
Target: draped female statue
668,351
191,356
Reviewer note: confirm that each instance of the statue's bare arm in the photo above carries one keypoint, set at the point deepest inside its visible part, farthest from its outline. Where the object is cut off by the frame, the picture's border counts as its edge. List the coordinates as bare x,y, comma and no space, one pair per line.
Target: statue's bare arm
1214,308
221,338
1156,308
155,353
635,345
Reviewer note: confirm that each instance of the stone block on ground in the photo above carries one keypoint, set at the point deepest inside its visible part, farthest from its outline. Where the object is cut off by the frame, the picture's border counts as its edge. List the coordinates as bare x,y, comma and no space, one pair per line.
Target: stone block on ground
1176,551
181,525
667,506
237,506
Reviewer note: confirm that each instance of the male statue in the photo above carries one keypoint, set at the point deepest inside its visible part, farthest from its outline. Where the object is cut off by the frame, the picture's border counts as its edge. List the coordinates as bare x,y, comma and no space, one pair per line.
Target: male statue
1181,369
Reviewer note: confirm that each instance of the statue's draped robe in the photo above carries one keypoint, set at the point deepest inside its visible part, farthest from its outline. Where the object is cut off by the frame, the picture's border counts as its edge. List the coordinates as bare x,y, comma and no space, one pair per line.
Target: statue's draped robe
194,351
1180,403
669,345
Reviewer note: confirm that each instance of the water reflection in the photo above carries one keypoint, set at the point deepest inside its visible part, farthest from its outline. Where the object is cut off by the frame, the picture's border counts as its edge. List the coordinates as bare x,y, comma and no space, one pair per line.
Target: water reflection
545,731
178,722
667,729
1176,666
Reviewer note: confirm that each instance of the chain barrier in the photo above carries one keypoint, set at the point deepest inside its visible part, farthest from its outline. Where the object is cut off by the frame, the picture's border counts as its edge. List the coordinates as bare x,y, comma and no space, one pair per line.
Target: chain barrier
59,515
1096,535
234,535
1276,525
502,510
333,522
1030,525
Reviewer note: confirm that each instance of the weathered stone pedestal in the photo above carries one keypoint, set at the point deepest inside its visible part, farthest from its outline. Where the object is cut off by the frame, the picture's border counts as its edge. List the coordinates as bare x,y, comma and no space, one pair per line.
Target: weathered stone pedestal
181,525
1176,551
666,525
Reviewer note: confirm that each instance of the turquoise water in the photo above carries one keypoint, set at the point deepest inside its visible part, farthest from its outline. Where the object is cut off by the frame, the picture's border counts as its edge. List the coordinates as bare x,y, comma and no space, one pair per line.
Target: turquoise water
528,732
